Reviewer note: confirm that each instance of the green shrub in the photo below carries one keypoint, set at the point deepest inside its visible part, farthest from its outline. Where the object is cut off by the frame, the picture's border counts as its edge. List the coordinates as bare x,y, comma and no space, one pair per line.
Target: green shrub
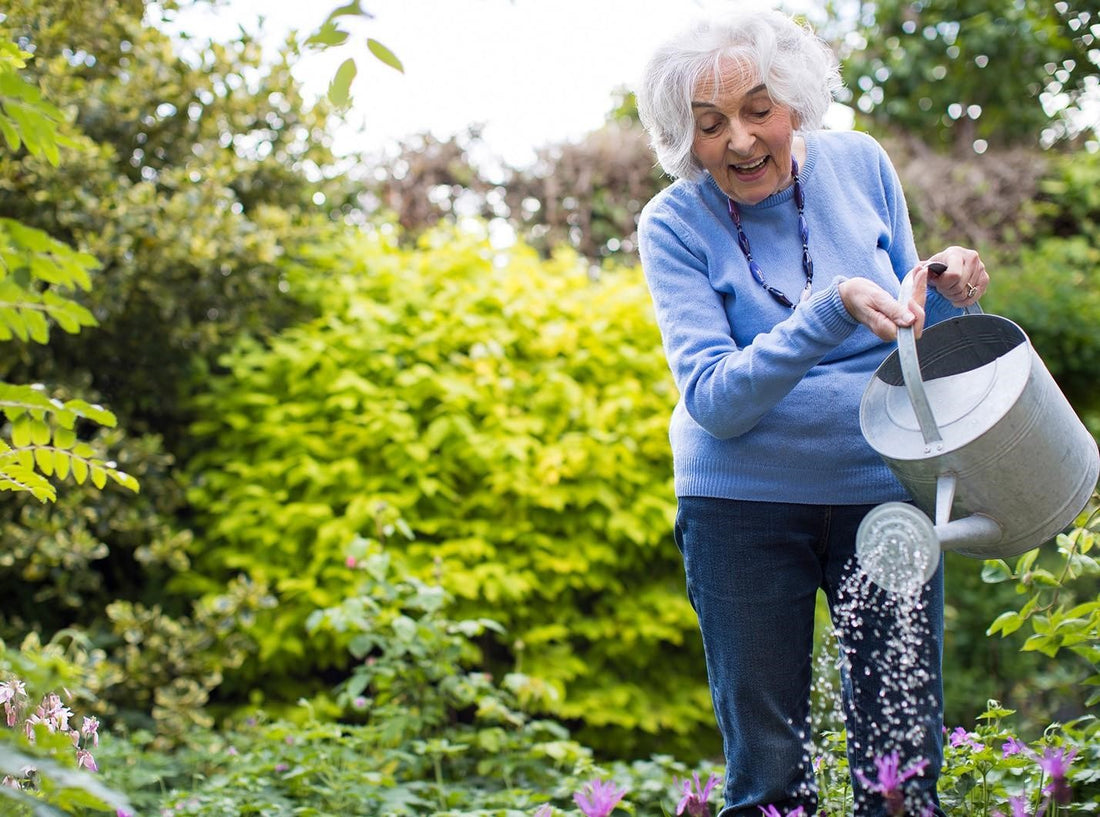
514,412
1060,614
1049,282
421,733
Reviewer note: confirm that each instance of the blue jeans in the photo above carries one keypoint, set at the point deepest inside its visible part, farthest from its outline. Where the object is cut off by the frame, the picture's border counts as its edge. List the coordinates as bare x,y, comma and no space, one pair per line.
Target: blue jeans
753,571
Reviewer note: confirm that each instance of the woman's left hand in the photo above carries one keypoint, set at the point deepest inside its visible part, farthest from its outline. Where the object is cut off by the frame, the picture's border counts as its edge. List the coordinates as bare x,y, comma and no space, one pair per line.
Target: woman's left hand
965,279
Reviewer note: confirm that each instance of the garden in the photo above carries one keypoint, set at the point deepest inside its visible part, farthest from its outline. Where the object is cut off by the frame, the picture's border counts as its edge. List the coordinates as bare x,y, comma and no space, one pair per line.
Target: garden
318,499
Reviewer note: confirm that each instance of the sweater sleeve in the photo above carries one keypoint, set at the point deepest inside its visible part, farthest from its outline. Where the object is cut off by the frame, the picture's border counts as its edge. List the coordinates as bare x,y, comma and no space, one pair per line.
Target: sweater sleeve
725,388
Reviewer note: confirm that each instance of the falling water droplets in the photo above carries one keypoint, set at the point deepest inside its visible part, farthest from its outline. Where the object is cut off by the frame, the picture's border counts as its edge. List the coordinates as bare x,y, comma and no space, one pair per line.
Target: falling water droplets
881,638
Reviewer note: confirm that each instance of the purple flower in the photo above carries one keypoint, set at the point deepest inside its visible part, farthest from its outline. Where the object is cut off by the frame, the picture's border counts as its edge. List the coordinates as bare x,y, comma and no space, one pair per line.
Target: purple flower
694,801
1019,808
960,737
1055,762
1013,747
772,811
598,799
890,780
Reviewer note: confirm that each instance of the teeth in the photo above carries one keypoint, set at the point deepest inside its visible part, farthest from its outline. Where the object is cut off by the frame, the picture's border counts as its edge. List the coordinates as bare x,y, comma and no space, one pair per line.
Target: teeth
753,166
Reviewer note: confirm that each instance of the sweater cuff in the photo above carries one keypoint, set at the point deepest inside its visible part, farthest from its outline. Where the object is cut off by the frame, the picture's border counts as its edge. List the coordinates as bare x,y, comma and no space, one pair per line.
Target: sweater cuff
828,307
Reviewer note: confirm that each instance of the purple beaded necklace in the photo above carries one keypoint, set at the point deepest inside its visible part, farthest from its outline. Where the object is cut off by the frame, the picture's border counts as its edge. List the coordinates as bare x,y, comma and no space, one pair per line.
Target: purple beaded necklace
803,229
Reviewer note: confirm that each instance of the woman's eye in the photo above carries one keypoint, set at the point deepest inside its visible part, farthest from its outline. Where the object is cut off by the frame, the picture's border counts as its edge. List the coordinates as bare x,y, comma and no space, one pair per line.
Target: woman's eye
710,129
761,114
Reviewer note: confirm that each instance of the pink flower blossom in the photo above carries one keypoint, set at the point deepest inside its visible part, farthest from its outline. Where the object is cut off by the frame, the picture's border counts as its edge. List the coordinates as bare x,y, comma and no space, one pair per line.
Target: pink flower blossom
597,798
84,760
694,801
1013,747
960,737
1055,762
10,690
1018,803
89,728
772,811
890,780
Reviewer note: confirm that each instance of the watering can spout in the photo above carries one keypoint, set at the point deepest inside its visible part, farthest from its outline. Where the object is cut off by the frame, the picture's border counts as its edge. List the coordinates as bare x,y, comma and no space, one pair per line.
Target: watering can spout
976,533
899,548
972,533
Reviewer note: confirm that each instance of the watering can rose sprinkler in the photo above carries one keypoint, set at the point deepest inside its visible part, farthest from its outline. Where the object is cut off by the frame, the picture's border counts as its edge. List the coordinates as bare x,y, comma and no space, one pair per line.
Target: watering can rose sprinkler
973,425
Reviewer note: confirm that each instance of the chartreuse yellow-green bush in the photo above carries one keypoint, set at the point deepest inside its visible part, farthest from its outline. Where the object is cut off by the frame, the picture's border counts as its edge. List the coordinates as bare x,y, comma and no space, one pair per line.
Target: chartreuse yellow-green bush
512,411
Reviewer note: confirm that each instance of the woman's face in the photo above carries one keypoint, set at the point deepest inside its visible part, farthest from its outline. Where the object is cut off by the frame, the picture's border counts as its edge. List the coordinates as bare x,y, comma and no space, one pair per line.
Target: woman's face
742,137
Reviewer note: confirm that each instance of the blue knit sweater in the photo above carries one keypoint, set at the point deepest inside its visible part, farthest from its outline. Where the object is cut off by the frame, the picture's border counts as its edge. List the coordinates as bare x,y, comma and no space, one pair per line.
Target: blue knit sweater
769,397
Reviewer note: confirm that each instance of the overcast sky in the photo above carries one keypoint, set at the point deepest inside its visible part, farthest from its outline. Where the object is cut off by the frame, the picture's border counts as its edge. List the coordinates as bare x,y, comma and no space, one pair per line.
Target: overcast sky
532,71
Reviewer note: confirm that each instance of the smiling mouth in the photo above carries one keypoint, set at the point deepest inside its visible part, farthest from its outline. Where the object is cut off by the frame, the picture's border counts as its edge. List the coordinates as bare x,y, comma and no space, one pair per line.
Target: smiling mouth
750,168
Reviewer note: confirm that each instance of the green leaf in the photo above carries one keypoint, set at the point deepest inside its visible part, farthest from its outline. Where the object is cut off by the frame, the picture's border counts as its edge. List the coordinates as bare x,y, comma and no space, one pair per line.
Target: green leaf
22,432
339,91
11,136
64,438
41,433
92,412
385,55
17,477
61,464
125,480
995,571
37,326
43,458
1025,562
351,9
1005,624
328,35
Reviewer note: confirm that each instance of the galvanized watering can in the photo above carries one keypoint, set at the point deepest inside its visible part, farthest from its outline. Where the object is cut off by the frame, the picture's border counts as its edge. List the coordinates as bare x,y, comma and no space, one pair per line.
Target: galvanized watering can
980,435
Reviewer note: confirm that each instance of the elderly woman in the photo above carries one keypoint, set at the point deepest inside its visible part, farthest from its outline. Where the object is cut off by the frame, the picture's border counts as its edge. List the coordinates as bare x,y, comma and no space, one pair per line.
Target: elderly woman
774,264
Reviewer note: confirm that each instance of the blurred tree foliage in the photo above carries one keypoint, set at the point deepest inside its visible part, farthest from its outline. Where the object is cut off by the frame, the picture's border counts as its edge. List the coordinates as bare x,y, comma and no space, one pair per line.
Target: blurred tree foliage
197,176
965,74
189,181
586,194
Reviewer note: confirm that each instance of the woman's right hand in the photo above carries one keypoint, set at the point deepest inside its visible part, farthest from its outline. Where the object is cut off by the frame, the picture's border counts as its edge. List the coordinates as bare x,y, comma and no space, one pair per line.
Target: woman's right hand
879,311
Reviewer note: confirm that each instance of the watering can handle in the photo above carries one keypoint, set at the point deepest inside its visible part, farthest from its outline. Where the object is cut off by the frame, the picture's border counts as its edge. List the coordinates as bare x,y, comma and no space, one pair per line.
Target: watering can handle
910,365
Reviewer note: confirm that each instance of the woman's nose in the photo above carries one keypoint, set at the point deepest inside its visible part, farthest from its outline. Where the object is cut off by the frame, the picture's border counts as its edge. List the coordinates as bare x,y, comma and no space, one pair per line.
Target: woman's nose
740,139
